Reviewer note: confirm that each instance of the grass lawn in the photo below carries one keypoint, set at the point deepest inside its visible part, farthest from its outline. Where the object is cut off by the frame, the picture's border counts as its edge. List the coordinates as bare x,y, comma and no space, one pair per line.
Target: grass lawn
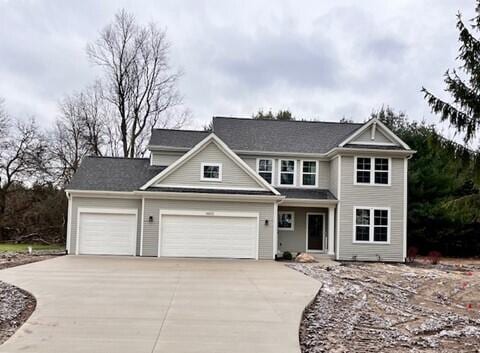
7,247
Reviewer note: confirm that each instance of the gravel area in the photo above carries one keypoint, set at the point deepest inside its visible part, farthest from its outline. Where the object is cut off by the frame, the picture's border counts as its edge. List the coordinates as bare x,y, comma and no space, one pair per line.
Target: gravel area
16,306
392,308
16,259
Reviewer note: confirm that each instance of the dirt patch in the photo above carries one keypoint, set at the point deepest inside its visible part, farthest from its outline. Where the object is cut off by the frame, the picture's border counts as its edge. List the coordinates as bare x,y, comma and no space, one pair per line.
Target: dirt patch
16,306
392,308
16,259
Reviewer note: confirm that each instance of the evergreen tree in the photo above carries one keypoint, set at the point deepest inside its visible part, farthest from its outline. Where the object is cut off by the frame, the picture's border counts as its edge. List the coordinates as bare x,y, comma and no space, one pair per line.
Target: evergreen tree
463,112
280,115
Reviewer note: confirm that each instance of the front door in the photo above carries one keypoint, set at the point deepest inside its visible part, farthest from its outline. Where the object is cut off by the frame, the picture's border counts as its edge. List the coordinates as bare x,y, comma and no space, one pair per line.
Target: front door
315,231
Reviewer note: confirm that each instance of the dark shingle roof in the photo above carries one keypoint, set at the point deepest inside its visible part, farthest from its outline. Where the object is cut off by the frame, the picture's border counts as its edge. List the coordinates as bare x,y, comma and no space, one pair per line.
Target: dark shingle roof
113,174
176,138
316,194
211,191
281,136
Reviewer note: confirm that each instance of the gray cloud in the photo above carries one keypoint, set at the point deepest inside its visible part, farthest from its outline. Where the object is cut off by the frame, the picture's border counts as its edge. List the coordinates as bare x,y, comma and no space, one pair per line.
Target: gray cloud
321,60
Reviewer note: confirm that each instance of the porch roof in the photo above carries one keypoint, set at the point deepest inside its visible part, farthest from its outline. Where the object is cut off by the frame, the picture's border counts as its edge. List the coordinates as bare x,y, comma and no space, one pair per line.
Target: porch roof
307,194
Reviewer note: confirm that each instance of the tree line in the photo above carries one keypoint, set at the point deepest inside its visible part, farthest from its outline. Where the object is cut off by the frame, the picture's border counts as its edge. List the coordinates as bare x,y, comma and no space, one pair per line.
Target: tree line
113,116
137,90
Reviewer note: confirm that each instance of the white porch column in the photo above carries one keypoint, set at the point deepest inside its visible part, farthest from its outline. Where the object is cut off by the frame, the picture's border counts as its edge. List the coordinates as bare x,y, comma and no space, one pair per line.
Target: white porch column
331,230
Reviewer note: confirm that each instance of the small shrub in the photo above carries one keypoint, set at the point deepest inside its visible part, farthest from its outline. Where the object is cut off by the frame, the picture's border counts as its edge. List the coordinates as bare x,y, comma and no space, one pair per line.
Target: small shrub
412,253
287,255
434,257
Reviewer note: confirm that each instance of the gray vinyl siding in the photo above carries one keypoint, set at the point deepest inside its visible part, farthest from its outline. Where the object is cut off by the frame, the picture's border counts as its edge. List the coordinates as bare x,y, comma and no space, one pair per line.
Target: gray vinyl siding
366,136
295,241
91,202
372,196
153,207
189,173
333,185
164,158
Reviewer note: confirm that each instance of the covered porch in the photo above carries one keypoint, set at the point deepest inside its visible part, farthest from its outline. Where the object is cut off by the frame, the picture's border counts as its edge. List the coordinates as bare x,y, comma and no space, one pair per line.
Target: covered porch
306,222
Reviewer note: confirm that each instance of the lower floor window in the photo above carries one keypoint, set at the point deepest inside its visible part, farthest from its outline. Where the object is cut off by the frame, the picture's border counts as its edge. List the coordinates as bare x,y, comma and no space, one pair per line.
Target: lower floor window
285,220
371,224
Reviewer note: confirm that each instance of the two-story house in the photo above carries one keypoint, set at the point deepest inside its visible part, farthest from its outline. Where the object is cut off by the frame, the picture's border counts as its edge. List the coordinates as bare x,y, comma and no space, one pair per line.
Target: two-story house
248,189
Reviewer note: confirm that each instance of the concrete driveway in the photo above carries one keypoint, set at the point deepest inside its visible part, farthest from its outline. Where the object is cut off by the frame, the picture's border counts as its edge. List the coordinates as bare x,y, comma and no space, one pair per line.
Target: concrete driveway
145,305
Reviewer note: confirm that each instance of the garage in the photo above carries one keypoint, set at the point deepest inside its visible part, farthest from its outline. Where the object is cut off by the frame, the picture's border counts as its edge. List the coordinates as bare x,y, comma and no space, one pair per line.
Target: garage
208,234
107,232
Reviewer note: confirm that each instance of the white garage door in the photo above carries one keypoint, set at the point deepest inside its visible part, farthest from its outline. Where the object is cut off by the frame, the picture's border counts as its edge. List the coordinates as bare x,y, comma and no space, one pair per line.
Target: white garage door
227,236
107,234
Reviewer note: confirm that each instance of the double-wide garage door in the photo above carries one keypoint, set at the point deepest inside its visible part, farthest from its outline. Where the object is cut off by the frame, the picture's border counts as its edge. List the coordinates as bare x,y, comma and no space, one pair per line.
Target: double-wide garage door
107,233
223,235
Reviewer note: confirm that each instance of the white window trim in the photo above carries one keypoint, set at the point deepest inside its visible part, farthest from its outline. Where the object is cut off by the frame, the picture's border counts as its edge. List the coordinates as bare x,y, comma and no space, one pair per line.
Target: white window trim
293,221
371,225
273,168
294,172
316,173
219,165
372,171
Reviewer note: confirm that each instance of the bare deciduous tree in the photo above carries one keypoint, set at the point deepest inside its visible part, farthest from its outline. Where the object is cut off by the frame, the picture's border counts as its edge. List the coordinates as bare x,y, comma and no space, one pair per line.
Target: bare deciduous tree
80,130
23,156
137,79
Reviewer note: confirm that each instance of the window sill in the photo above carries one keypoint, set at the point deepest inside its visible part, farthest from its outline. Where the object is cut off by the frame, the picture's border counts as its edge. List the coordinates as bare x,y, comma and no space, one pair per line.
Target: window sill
371,242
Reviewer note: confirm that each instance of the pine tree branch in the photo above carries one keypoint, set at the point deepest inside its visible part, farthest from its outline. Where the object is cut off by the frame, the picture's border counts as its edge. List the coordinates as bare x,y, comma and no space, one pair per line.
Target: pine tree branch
460,120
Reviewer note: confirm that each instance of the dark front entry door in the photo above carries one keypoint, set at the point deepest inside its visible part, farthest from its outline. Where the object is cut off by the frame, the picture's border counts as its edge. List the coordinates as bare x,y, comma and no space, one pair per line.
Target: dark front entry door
315,232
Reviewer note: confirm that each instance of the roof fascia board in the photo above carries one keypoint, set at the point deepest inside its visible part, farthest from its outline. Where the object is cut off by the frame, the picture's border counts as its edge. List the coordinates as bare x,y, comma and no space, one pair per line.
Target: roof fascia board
293,202
101,193
205,196
384,129
355,151
167,148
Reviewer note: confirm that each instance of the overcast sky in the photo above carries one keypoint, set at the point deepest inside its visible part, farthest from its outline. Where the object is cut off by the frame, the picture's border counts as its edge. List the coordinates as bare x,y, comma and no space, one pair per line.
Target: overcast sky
320,59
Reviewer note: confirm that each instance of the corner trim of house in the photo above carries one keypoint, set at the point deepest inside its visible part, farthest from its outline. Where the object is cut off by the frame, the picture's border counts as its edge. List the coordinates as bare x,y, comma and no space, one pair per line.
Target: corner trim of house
339,190
142,225
69,223
405,207
275,229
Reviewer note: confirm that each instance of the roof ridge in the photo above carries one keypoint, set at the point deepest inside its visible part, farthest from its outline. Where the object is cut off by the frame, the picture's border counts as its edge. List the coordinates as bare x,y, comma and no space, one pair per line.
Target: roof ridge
113,157
181,130
289,121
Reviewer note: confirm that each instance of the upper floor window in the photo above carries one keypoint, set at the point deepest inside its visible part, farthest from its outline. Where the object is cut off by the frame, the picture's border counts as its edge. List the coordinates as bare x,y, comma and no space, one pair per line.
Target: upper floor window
372,170
287,172
372,225
211,172
265,169
309,173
